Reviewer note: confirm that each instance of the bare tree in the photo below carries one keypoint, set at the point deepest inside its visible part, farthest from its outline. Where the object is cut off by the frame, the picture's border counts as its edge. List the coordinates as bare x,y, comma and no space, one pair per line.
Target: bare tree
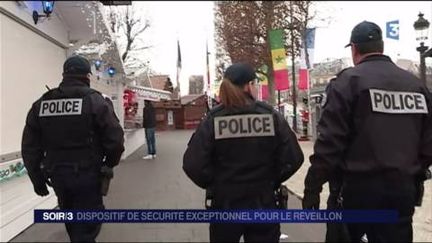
242,31
129,26
133,26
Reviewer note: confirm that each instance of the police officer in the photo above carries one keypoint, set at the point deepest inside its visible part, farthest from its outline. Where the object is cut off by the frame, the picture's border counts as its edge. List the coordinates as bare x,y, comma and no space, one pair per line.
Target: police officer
241,152
376,127
71,133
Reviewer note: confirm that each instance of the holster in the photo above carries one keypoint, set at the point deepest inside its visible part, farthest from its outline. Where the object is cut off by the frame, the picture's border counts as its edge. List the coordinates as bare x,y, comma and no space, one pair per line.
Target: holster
336,232
106,175
209,197
46,172
281,195
425,175
335,199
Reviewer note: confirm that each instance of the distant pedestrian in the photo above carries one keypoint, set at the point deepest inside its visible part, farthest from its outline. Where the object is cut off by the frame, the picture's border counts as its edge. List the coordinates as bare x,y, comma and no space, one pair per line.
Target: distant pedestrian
149,124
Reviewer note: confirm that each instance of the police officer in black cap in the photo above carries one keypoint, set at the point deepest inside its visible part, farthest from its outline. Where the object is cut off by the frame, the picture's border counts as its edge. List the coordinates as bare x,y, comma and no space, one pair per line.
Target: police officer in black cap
71,135
376,128
241,152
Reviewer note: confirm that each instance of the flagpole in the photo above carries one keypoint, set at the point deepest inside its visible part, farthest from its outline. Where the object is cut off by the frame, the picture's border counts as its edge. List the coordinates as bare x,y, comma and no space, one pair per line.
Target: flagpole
309,84
178,68
208,91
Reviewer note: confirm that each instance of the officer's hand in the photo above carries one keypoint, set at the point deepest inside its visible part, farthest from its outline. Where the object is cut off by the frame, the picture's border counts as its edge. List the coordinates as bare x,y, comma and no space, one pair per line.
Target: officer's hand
311,201
41,190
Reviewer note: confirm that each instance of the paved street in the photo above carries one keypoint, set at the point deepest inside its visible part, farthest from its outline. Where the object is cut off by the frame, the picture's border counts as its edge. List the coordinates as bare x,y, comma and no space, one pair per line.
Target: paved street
159,184
422,220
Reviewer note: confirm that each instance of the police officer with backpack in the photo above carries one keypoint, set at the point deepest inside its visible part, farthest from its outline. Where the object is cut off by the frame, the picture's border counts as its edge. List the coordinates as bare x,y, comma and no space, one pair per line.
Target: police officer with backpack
241,153
71,135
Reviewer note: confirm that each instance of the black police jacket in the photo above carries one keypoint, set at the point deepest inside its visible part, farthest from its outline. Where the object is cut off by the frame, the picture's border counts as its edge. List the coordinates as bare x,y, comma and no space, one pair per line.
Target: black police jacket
376,119
71,124
237,146
149,116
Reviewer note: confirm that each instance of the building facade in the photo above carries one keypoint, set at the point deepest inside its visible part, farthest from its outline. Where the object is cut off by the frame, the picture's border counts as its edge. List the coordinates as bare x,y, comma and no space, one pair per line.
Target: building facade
31,59
196,84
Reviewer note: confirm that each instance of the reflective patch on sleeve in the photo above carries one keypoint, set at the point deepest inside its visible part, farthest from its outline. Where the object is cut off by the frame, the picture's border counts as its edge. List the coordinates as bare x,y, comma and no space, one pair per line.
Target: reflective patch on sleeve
61,107
397,102
239,126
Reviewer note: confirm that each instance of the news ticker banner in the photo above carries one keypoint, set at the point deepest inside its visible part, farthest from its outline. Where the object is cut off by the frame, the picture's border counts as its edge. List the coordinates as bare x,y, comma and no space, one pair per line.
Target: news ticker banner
214,216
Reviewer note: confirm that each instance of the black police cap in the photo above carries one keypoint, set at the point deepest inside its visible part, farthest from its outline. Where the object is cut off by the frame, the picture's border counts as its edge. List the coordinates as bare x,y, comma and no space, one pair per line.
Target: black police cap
77,65
240,73
365,32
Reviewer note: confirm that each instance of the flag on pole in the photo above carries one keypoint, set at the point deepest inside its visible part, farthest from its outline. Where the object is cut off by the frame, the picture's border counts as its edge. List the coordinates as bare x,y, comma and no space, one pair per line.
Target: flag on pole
263,82
310,45
208,67
303,83
306,56
280,68
303,79
179,65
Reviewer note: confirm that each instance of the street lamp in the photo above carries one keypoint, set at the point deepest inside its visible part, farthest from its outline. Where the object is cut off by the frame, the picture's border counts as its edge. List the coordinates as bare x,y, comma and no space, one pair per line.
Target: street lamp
422,27
111,71
48,7
97,64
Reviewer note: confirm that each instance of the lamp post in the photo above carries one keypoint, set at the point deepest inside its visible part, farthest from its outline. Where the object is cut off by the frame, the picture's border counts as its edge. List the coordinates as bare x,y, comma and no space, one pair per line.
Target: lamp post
111,71
422,27
48,8
98,64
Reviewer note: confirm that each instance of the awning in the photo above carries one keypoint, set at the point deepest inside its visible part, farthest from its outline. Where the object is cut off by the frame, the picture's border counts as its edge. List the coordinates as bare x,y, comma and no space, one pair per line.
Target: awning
146,93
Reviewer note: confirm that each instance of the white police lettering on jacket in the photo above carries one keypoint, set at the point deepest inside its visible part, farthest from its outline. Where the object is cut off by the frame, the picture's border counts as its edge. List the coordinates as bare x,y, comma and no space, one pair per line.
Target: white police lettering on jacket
398,102
238,126
61,107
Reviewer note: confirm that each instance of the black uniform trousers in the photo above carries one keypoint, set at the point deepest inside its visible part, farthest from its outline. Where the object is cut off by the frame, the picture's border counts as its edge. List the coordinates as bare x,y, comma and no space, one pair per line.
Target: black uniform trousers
78,190
244,197
250,232
336,232
383,191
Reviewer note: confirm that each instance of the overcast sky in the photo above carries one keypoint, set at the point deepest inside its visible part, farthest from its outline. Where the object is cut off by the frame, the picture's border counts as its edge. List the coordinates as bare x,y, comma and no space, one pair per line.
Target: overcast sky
192,24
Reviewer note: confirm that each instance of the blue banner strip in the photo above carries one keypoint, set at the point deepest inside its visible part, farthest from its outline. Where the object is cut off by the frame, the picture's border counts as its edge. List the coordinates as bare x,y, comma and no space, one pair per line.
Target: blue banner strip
214,216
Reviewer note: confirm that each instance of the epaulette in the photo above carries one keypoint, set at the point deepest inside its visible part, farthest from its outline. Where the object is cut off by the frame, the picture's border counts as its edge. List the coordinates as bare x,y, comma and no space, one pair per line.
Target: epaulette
338,74
216,109
264,105
49,92
95,91
341,71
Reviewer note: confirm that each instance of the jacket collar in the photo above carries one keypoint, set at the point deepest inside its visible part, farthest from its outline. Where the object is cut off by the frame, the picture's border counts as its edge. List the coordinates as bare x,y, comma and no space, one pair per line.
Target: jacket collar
68,82
377,57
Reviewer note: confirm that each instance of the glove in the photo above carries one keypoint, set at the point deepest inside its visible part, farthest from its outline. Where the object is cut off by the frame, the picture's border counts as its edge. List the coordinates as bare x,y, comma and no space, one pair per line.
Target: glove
41,190
311,201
